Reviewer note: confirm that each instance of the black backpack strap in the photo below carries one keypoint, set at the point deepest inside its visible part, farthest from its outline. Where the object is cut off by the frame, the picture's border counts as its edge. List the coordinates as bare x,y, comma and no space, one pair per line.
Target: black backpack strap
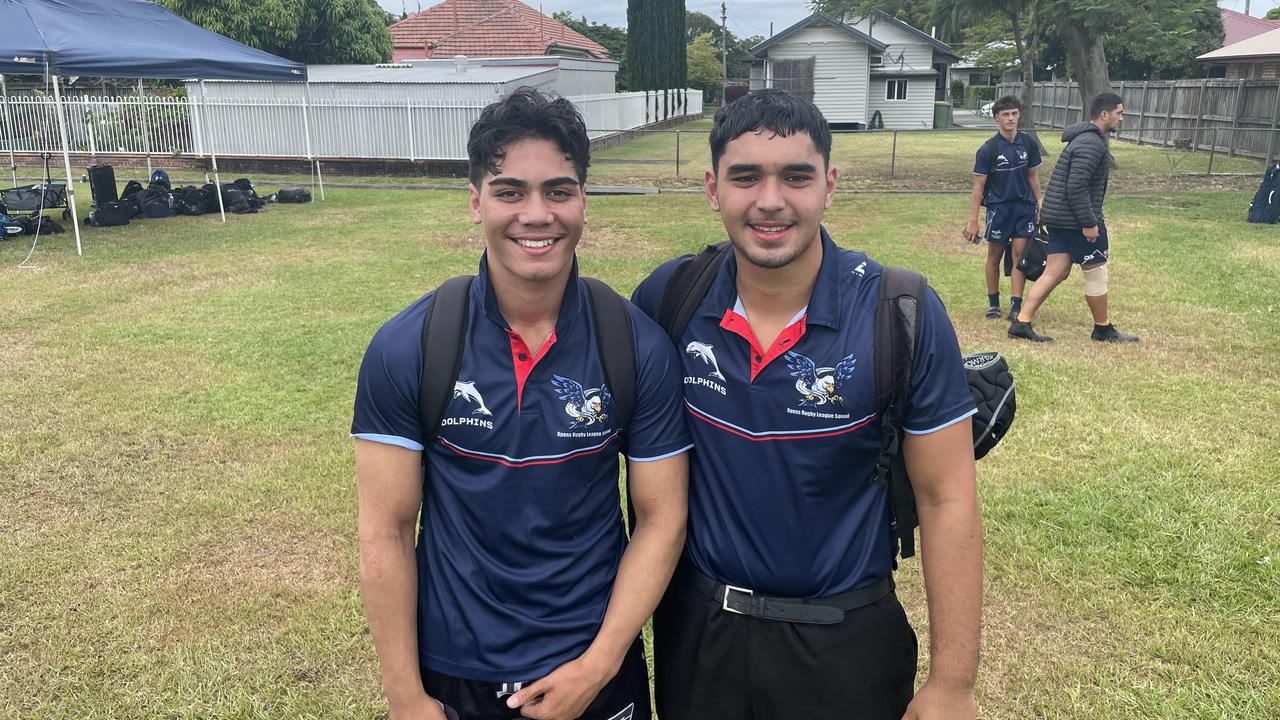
897,331
615,341
686,288
443,332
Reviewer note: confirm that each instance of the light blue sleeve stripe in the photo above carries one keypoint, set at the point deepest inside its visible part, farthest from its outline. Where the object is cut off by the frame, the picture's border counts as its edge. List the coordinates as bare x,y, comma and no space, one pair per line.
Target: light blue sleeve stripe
673,453
396,440
947,424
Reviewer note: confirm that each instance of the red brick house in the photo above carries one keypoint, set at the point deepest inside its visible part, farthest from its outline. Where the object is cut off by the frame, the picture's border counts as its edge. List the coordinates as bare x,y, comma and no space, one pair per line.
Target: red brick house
487,29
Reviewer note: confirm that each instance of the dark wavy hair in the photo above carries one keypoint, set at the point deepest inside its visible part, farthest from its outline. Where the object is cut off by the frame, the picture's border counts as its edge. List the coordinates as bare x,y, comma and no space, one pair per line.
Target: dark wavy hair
1008,102
776,111
526,113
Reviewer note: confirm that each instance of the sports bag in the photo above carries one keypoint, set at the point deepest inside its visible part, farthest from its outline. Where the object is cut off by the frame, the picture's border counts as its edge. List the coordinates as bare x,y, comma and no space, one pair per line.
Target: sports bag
110,214
896,336
1034,256
156,202
245,186
1265,207
188,200
293,195
234,200
9,226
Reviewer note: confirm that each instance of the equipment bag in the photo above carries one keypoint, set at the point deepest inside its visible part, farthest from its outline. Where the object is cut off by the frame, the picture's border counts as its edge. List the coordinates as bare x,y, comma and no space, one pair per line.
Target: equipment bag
1265,207
39,225
209,197
896,335
109,214
156,202
1035,255
188,200
234,200
245,186
9,226
293,195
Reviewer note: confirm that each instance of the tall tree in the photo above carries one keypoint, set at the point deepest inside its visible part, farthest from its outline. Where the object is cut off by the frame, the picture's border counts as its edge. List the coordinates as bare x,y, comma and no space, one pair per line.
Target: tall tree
264,24
704,65
656,57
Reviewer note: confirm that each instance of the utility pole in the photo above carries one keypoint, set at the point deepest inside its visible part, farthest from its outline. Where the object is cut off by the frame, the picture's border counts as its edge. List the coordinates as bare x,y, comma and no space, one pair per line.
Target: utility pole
724,51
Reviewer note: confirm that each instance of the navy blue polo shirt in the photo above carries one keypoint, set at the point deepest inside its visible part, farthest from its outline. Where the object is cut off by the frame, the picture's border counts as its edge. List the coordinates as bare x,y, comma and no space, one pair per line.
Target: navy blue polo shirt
786,438
521,530
1006,173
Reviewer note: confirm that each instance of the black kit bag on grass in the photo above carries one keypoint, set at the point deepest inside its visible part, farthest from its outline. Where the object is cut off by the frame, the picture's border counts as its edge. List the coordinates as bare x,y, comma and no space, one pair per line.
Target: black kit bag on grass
1035,255
110,214
39,224
293,195
1265,207
234,200
250,195
156,202
188,200
896,328
209,197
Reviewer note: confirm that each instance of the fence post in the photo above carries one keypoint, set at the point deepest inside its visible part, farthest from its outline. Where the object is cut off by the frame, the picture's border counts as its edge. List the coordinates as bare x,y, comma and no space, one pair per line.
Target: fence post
8,124
1168,115
1235,117
408,115
146,131
1275,121
893,154
677,153
1120,132
1142,110
88,124
1195,136
1213,147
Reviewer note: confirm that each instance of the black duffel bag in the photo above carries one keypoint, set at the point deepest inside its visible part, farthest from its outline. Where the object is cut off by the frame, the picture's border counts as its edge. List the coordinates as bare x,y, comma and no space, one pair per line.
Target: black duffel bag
110,214
156,202
234,200
1035,255
293,195
189,200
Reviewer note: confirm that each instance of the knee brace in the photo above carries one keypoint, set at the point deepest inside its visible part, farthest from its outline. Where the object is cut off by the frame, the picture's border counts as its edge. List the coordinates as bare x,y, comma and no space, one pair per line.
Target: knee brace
1095,281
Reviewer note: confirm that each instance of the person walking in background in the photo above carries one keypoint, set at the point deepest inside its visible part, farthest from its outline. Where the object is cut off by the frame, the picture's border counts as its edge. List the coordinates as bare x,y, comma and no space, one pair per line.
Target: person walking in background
1077,230
1006,181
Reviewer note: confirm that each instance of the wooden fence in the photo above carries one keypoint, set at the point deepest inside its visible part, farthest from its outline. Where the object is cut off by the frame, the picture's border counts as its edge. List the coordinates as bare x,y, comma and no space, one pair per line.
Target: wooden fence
1236,117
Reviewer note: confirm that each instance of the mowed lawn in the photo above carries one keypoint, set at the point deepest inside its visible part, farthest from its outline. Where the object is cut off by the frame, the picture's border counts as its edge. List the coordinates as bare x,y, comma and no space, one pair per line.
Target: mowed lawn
177,506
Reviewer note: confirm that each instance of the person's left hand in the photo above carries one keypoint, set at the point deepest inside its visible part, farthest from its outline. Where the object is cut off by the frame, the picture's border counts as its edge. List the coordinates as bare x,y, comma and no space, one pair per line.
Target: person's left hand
564,694
937,702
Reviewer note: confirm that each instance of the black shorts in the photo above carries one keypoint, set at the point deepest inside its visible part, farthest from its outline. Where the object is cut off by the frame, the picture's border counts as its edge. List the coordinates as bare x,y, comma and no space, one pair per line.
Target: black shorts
1009,220
1071,241
710,664
626,697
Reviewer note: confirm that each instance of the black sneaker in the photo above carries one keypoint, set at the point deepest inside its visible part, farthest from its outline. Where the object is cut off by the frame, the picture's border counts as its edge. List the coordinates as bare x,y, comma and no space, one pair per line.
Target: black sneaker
1013,314
993,313
1110,334
1024,331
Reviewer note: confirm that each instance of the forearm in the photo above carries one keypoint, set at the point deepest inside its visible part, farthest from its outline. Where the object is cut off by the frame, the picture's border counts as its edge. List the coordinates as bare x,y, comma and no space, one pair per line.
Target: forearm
951,541
975,201
643,575
389,580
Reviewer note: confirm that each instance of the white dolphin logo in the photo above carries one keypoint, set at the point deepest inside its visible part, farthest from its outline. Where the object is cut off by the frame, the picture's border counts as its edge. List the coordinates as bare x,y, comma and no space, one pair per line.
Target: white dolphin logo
703,352
467,391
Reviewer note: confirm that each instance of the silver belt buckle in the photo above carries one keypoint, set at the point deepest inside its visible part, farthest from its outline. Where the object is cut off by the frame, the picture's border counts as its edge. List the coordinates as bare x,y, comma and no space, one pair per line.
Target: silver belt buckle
724,604
510,688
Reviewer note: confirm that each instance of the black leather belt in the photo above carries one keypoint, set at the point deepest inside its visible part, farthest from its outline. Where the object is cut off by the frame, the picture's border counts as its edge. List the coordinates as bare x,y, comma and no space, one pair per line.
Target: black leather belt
820,611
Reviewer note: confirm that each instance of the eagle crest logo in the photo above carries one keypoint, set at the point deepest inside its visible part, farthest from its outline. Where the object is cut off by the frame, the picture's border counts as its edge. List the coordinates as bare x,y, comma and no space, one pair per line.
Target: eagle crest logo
584,406
819,385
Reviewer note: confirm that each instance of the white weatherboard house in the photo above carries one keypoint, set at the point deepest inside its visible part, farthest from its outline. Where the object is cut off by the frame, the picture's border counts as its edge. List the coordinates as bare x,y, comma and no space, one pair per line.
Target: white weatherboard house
853,67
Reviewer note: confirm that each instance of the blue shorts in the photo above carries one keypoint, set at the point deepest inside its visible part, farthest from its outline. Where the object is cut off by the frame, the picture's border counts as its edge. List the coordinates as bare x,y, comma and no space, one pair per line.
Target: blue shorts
1072,242
1010,220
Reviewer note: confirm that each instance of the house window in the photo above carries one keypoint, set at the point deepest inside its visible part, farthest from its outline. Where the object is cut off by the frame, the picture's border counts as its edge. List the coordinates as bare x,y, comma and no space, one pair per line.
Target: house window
877,60
895,90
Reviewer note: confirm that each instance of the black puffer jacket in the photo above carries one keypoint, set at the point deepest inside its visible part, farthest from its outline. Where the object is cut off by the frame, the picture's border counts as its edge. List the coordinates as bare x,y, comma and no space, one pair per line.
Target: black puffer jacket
1074,196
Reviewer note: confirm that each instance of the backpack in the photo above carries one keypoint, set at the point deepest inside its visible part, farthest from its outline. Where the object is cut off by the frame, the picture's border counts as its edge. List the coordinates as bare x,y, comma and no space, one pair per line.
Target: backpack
129,198
188,200
293,195
234,200
446,324
896,334
1035,255
1265,207
156,202
110,214
160,178
245,186
39,225
209,197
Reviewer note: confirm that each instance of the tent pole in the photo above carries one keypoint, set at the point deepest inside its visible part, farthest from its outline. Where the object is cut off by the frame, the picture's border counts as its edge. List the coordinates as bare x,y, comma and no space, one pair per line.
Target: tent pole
306,126
66,161
204,123
146,133
8,125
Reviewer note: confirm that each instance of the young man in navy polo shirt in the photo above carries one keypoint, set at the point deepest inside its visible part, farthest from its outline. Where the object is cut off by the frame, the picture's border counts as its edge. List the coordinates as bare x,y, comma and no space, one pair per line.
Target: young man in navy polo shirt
523,597
783,604
1006,180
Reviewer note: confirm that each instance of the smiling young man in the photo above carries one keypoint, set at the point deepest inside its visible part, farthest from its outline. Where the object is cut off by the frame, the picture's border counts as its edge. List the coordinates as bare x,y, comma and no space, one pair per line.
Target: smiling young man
1006,181
783,604
523,596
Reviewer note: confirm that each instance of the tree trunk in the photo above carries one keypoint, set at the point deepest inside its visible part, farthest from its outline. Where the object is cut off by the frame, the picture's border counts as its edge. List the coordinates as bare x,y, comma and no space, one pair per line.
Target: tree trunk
1087,57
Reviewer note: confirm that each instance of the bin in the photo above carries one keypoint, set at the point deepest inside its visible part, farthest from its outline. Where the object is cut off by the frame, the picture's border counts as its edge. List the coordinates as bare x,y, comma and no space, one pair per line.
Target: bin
941,115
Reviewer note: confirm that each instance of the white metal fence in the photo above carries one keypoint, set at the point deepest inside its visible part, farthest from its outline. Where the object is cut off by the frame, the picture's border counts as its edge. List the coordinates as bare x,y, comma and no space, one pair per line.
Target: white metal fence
390,129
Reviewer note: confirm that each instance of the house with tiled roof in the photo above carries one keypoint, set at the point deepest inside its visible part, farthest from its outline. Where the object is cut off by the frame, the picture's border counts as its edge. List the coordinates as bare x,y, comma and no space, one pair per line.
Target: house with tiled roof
1236,26
489,29
1254,58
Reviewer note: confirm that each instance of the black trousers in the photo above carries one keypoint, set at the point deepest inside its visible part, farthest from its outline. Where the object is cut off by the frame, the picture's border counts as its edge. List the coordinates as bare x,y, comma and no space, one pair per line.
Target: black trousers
626,697
710,664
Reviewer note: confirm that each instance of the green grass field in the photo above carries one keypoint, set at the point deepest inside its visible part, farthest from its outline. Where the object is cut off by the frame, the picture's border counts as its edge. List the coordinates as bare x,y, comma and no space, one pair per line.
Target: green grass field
177,509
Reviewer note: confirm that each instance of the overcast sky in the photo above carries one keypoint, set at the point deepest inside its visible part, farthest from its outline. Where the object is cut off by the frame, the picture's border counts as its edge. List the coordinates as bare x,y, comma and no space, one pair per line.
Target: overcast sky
746,17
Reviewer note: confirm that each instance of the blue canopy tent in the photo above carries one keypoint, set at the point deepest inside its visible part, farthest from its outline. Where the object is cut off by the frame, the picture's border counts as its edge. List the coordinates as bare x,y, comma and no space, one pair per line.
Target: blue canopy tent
123,39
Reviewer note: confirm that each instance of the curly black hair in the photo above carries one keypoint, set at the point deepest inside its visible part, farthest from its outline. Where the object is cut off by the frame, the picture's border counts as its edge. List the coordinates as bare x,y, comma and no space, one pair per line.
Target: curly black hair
1006,102
526,113
776,111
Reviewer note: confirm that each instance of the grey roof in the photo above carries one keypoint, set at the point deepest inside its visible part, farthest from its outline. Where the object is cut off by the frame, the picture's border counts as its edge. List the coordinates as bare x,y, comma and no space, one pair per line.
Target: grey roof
1266,45
926,37
430,74
818,19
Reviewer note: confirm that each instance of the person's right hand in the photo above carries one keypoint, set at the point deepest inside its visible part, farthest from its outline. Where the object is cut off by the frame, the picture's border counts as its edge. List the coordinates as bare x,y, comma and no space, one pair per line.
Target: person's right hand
420,707
1090,233
971,231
